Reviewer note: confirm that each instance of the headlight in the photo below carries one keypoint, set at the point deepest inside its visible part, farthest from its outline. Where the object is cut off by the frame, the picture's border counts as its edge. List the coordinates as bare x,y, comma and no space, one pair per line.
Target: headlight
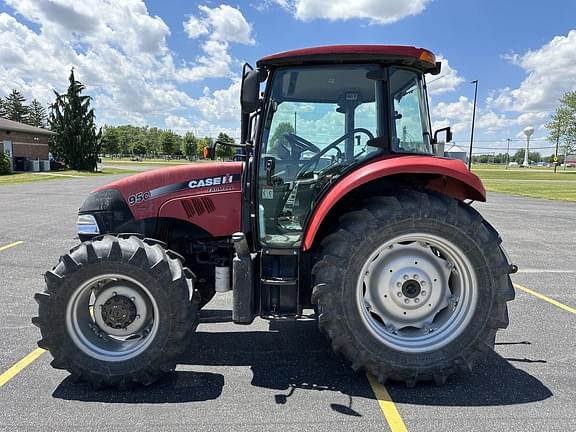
87,224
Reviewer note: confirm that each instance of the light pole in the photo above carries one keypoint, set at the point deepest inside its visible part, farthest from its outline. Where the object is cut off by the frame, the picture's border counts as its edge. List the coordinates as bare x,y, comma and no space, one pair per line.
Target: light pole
507,153
528,131
475,82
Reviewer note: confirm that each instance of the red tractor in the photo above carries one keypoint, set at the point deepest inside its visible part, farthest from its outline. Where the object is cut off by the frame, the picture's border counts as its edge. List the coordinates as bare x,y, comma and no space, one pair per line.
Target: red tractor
341,202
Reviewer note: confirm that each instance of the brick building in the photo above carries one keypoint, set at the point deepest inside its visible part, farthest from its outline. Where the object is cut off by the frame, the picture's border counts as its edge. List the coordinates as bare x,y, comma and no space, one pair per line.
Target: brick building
23,142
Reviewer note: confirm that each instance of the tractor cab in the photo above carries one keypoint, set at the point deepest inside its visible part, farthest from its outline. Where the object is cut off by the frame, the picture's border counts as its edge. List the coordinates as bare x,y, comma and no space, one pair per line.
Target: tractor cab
325,111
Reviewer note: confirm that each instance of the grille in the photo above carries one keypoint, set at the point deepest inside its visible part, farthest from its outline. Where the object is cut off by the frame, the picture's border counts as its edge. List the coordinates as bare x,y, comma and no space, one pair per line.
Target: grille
198,206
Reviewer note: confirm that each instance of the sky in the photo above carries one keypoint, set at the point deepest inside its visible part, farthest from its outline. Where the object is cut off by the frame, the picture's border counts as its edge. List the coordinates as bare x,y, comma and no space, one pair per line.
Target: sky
176,63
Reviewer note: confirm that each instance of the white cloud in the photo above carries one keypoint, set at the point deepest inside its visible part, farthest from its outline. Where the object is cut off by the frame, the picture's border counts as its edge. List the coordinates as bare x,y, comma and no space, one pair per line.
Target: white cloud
221,105
227,24
448,79
221,26
195,27
376,11
549,74
118,51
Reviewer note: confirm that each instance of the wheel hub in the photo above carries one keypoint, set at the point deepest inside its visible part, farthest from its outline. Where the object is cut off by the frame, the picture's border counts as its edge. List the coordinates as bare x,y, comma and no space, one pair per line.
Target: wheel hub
118,312
411,289
120,309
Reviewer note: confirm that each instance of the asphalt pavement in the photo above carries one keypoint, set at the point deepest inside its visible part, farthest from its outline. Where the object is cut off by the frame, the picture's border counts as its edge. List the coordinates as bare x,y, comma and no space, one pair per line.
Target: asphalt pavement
282,375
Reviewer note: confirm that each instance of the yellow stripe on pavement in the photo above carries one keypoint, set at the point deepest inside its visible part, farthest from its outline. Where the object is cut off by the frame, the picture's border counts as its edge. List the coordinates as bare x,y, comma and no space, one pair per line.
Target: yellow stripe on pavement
16,243
545,298
387,405
20,366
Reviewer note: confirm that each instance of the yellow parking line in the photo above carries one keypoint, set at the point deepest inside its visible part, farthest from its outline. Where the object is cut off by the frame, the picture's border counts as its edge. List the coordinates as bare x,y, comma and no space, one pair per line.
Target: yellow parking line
16,243
387,406
20,365
545,298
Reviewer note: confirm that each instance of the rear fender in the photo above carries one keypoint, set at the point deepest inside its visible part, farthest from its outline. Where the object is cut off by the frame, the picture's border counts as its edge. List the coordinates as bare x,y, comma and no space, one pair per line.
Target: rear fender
447,176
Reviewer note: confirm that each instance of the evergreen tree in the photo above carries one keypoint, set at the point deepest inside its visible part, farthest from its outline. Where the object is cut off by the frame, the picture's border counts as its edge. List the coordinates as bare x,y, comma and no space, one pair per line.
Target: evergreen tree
73,120
2,110
36,115
15,107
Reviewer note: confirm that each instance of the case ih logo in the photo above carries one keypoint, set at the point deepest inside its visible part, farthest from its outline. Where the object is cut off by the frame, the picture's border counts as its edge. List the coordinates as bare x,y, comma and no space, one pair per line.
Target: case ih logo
212,181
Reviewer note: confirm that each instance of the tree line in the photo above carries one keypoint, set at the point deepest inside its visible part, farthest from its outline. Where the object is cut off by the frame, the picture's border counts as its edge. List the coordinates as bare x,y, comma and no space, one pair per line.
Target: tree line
518,157
144,141
14,107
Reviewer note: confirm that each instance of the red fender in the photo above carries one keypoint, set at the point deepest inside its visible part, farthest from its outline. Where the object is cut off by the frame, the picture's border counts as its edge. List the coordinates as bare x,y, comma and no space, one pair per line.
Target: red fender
454,179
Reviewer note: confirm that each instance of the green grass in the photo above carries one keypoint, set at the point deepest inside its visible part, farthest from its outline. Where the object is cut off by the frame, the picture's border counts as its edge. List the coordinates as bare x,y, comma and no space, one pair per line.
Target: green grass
538,182
27,177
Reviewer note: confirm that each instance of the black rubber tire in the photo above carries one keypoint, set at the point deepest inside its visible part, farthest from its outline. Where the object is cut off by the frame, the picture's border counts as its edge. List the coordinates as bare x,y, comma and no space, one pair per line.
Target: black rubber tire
343,253
144,260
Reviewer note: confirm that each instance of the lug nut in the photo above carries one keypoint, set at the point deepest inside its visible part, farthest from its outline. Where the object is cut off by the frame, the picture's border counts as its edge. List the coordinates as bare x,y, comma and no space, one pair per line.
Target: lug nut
399,294
416,300
423,283
398,284
423,293
415,277
405,277
406,301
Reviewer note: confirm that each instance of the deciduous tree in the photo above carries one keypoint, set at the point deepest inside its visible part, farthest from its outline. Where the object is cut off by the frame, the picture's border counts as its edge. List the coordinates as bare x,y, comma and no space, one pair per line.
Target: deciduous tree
562,126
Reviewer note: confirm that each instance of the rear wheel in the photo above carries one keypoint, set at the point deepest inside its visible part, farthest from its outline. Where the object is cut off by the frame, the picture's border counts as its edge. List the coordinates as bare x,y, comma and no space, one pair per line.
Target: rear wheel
412,287
117,311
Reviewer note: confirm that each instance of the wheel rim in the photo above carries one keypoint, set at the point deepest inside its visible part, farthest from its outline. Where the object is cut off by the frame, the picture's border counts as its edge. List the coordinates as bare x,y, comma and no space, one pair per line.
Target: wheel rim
417,292
112,317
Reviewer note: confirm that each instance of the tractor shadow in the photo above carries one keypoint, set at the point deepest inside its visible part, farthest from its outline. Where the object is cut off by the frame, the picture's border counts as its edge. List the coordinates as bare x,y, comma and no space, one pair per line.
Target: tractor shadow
292,357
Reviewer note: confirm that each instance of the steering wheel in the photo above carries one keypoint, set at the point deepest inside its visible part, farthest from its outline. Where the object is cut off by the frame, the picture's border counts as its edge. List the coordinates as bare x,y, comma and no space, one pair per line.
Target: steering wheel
316,158
300,144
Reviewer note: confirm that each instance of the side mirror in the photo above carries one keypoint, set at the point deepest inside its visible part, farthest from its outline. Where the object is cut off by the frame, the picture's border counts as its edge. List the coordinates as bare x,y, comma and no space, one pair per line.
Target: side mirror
250,90
448,134
439,146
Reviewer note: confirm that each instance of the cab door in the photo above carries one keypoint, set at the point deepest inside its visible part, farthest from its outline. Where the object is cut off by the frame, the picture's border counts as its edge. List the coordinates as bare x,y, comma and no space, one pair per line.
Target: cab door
317,123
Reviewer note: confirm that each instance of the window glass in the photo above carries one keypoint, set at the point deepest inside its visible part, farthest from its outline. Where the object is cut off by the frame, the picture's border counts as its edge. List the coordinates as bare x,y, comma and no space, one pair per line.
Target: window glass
410,132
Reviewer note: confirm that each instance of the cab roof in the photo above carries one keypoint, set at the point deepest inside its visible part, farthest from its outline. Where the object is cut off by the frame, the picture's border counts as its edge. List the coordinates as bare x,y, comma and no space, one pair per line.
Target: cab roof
390,54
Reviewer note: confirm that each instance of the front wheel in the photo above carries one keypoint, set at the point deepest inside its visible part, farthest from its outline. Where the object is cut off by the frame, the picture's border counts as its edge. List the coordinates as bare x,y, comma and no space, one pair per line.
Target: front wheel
412,287
117,311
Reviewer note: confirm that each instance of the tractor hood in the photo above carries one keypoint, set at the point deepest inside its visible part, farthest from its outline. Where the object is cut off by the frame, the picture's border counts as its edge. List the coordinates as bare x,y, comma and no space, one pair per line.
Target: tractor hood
205,195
